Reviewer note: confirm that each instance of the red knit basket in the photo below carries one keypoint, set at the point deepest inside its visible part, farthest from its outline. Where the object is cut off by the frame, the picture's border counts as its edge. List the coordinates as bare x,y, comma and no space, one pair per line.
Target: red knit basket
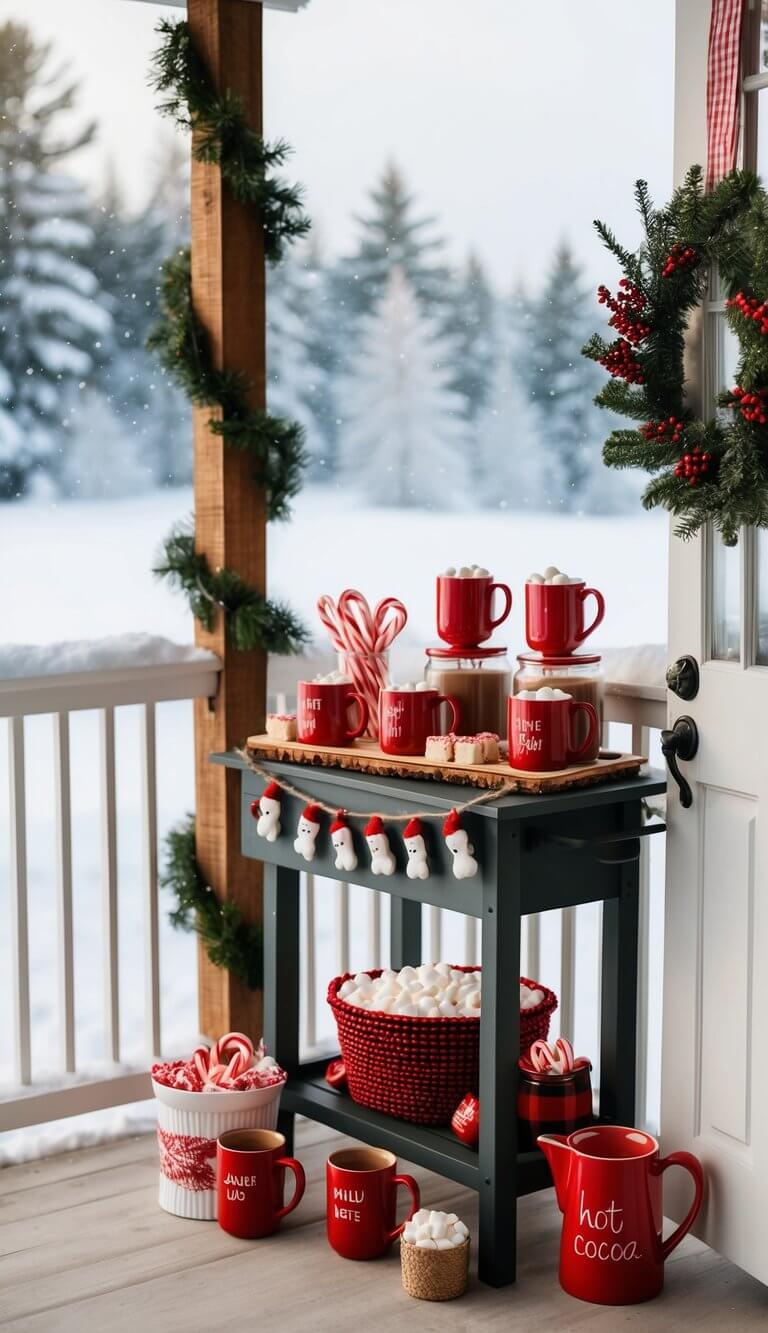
419,1069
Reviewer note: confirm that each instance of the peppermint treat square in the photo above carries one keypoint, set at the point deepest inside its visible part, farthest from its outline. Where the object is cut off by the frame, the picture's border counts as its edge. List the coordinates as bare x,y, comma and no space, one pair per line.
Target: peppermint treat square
281,726
439,749
468,750
490,740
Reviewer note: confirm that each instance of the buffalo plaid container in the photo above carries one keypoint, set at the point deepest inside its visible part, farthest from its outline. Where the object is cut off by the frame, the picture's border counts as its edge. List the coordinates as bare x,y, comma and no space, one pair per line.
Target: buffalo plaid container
419,1069
552,1103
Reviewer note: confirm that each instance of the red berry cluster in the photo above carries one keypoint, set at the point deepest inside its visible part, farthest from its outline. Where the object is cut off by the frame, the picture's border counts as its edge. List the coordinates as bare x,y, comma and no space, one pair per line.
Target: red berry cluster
693,466
681,259
626,307
620,361
751,405
751,308
662,432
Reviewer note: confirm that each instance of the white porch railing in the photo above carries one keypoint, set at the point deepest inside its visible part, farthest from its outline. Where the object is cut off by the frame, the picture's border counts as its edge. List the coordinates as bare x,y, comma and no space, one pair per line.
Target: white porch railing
344,935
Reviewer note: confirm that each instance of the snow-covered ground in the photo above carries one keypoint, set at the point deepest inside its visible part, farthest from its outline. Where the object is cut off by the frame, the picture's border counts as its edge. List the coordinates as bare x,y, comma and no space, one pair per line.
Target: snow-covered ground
79,570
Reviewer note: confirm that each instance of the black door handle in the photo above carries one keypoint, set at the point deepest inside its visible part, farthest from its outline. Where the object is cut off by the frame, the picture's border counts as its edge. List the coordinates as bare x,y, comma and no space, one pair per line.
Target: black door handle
680,743
683,677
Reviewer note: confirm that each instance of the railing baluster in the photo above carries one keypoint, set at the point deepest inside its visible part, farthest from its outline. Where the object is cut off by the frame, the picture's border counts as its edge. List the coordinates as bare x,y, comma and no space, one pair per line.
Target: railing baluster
19,912
66,969
567,970
533,946
342,925
310,971
374,927
641,739
109,881
151,923
435,922
470,941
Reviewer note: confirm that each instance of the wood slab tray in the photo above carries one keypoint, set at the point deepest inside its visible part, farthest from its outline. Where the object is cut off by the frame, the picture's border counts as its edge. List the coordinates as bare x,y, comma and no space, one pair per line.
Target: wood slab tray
364,756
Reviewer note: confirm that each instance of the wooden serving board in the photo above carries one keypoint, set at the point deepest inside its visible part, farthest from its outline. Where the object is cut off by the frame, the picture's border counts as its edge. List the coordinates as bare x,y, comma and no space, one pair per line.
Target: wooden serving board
365,756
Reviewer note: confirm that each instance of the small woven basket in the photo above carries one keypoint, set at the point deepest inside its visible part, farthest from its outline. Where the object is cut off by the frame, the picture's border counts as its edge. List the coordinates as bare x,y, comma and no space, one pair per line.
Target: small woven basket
434,1275
419,1068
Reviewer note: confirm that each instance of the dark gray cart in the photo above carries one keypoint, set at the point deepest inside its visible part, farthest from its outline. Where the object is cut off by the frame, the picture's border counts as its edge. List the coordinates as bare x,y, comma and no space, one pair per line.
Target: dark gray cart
535,853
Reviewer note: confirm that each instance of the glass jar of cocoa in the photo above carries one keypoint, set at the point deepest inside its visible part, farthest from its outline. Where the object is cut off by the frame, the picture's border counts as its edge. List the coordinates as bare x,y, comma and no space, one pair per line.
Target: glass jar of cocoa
480,679
580,675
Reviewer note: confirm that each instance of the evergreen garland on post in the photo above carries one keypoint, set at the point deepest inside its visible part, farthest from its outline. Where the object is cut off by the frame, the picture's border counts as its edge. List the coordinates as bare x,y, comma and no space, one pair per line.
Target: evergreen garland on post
247,164
715,470
230,941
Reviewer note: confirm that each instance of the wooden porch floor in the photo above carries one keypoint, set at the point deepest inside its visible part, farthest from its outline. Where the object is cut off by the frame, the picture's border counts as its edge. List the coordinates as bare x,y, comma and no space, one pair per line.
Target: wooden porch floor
85,1246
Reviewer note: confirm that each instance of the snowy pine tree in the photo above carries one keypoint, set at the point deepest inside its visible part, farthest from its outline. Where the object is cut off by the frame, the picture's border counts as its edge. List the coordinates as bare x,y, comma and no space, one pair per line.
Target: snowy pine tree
514,471
53,324
472,320
403,438
559,381
104,458
299,354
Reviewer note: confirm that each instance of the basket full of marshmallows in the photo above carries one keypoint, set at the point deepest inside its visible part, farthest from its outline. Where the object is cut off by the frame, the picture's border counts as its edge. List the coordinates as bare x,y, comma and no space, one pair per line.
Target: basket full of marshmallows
434,1256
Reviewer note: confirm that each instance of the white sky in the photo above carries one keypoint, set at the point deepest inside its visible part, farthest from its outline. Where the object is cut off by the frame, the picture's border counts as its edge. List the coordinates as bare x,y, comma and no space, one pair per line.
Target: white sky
515,123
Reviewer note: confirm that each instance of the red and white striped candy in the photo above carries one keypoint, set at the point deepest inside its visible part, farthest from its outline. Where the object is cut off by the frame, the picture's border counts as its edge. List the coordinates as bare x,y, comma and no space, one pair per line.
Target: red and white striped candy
557,1061
227,1045
362,636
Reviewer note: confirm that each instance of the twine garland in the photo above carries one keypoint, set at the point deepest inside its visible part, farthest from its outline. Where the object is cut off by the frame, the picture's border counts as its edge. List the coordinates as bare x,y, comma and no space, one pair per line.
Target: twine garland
288,787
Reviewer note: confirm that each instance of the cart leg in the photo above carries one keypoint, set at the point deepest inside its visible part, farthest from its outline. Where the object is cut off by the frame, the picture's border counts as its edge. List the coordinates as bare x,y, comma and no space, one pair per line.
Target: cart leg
281,976
404,933
499,1052
618,1020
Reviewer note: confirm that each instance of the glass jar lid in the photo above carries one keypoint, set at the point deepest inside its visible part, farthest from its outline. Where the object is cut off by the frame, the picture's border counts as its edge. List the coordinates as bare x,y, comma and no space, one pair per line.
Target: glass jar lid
473,653
571,659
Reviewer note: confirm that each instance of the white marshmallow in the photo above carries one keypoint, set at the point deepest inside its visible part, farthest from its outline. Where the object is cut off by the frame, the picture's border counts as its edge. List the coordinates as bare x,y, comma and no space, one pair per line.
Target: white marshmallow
458,1238
444,1244
465,572
551,571
560,579
406,973
346,988
363,981
443,969
535,578
426,1245
422,1231
479,573
438,1229
450,572
461,1228
421,1216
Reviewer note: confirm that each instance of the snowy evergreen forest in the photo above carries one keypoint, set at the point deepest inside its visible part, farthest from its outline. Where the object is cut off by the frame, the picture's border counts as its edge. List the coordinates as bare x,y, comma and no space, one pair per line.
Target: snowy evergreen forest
418,384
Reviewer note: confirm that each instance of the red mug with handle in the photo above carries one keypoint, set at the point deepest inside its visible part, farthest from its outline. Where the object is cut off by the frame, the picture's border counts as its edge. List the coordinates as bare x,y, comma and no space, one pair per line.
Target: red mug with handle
361,1190
321,713
541,733
608,1183
554,616
250,1175
408,717
465,609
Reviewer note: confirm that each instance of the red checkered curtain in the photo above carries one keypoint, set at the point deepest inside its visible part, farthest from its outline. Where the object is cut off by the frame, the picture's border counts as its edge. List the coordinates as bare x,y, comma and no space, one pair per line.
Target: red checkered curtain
723,91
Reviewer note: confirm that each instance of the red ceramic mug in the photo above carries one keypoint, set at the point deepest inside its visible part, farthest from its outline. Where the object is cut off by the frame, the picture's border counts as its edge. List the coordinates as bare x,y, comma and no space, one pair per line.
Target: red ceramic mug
540,733
465,609
407,717
250,1174
321,714
554,616
361,1190
608,1182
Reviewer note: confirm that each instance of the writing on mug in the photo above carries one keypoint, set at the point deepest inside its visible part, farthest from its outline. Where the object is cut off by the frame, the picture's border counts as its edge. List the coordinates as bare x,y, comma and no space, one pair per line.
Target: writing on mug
237,1195
347,1214
604,1219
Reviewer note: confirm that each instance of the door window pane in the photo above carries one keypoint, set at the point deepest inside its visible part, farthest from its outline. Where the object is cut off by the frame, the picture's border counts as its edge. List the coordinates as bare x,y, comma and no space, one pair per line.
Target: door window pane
725,600
761,598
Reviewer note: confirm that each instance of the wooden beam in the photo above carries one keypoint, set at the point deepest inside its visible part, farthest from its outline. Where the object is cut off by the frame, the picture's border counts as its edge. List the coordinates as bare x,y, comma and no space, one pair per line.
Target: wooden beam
230,523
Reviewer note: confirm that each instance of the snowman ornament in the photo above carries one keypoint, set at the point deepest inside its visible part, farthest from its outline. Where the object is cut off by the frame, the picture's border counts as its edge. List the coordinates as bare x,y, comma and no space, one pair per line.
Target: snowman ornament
463,864
306,832
417,865
341,841
382,860
267,813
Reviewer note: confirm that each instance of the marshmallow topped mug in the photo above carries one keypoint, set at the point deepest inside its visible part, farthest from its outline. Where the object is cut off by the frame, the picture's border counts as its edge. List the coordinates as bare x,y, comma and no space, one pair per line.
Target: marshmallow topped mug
361,1199
407,717
322,712
542,731
554,615
465,608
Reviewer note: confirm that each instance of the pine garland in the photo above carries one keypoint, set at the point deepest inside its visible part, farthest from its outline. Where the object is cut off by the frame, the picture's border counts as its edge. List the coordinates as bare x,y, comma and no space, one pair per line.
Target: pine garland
230,942
252,620
704,471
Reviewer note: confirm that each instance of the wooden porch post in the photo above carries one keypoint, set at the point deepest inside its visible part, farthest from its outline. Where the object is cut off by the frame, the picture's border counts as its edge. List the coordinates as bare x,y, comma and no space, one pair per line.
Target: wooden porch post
228,293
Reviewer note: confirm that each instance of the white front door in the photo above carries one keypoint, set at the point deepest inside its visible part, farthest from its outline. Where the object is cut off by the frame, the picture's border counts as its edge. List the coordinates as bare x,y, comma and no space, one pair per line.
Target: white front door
715,1050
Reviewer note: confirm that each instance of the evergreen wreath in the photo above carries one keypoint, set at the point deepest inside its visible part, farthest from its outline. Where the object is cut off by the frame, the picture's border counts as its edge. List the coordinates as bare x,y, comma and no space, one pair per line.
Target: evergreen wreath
252,620
230,942
247,164
714,470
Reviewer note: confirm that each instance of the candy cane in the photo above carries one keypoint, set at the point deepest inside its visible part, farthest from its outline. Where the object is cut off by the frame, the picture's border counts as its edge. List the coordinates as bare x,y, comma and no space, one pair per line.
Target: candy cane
557,1061
362,636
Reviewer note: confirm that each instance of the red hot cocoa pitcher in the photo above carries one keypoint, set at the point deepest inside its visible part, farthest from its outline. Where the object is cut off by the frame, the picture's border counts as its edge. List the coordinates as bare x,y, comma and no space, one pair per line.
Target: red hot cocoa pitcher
465,609
554,616
361,1189
608,1183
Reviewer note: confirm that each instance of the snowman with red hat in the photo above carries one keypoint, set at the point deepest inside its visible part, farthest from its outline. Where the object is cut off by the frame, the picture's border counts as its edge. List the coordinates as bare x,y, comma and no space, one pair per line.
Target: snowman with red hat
306,832
417,866
382,860
267,811
341,841
464,865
